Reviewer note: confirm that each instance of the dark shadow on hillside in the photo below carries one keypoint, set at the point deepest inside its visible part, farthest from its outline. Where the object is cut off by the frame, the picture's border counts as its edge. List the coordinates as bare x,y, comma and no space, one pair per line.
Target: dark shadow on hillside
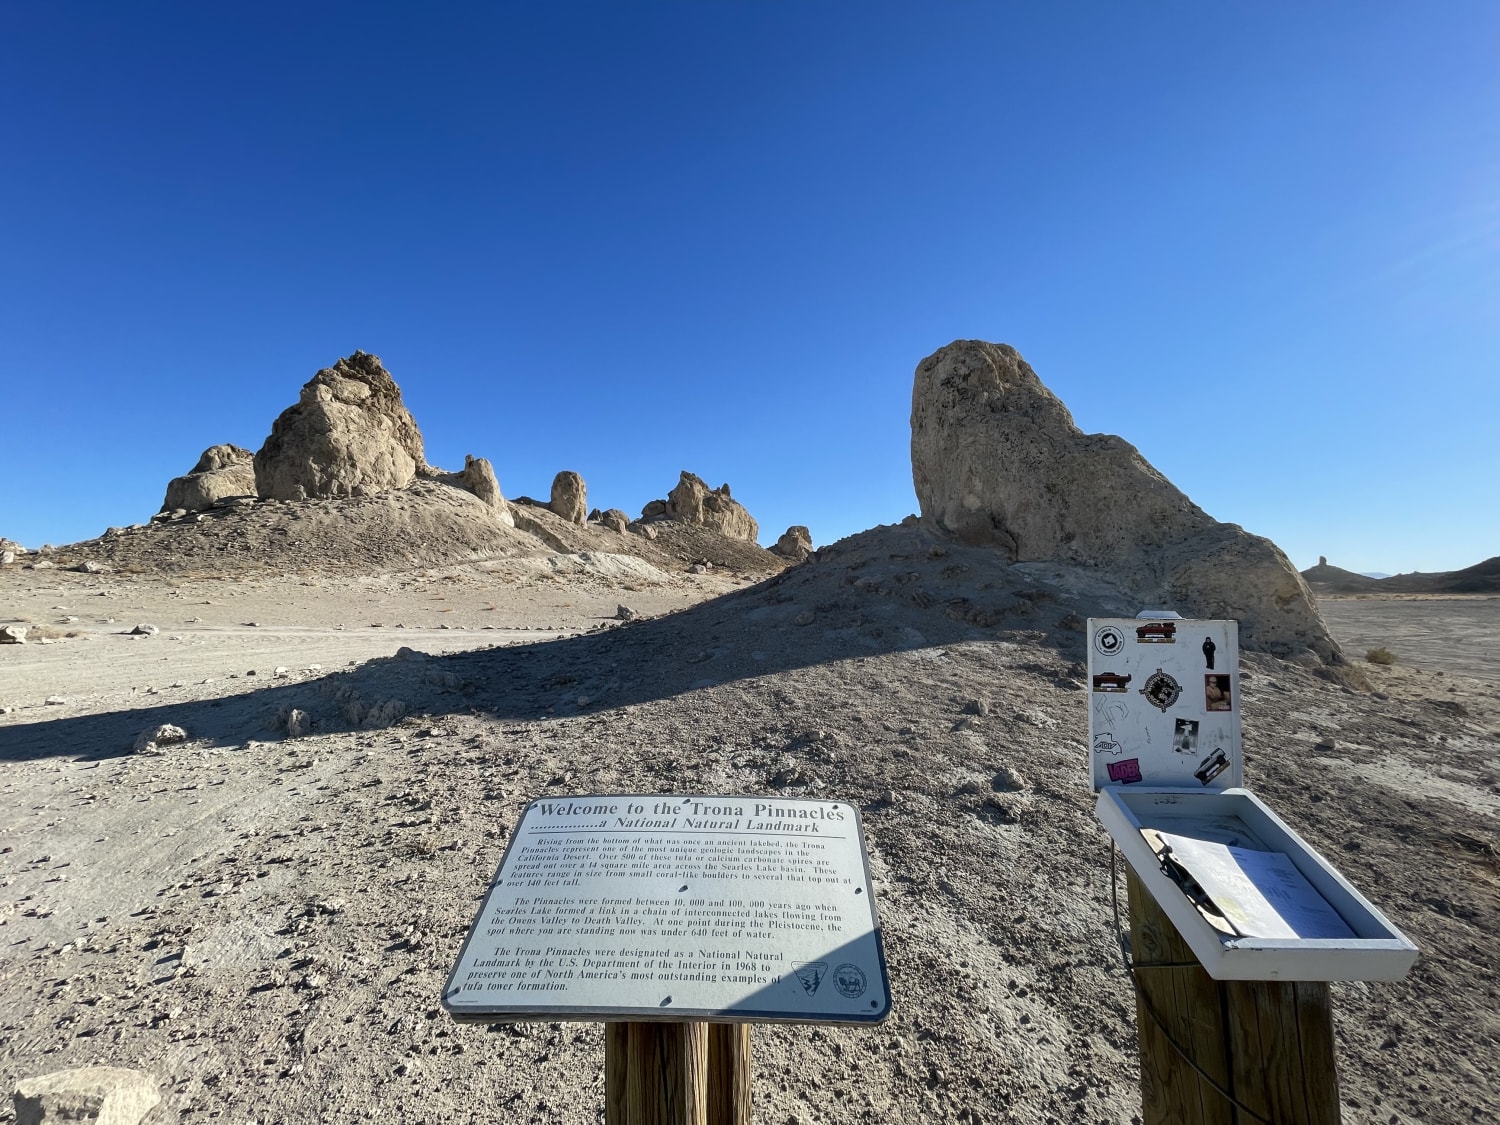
892,589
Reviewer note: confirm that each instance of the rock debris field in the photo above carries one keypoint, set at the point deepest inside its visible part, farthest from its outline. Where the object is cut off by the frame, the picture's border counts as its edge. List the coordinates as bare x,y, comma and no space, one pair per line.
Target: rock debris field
264,922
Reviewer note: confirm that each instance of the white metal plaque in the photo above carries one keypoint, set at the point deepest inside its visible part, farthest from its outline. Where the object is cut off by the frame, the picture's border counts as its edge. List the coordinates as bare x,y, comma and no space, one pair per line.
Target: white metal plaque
1164,702
670,907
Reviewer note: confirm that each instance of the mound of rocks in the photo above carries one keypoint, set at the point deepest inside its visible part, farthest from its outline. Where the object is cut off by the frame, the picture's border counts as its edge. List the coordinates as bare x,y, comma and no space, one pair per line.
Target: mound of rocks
222,472
693,502
348,435
998,461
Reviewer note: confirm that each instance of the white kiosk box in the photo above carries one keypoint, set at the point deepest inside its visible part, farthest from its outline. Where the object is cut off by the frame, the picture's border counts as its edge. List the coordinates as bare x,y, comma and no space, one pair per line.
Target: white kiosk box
664,907
1251,899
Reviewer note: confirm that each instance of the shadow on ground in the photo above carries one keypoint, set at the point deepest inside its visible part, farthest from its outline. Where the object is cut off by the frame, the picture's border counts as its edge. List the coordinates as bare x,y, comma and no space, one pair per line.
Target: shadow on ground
891,589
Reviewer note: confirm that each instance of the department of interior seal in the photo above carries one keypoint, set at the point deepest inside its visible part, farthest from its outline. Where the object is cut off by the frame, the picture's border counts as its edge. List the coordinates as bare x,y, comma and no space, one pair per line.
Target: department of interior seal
849,980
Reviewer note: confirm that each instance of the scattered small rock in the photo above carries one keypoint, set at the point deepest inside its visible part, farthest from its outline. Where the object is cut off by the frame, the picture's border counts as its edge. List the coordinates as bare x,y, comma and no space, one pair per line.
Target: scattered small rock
625,613
144,631
13,634
298,723
1007,780
155,739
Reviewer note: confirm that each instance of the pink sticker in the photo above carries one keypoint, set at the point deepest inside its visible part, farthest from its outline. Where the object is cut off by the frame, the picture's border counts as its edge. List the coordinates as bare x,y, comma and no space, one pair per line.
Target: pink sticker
1126,771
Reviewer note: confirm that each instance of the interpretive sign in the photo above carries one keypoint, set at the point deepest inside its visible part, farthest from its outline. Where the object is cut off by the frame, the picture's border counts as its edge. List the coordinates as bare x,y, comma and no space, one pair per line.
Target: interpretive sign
666,907
1164,706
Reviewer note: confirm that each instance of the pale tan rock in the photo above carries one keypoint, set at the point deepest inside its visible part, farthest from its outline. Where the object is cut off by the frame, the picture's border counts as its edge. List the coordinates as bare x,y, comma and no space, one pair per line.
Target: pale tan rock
101,1095
692,501
13,634
153,740
569,497
615,520
478,477
223,471
348,435
998,461
795,543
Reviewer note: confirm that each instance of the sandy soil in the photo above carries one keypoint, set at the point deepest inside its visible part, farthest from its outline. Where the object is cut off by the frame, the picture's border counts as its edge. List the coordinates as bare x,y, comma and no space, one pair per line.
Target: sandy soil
264,922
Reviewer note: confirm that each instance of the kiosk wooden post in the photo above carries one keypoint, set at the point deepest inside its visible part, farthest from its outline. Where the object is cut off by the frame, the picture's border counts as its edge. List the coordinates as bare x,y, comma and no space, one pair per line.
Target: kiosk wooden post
1269,1044
656,1073
729,1074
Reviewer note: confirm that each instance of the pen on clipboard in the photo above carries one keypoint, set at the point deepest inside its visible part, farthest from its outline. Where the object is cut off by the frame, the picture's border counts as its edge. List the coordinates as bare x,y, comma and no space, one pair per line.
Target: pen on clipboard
1190,887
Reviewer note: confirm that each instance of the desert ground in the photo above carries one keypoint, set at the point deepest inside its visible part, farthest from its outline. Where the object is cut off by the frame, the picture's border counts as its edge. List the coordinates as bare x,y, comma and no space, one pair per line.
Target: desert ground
264,921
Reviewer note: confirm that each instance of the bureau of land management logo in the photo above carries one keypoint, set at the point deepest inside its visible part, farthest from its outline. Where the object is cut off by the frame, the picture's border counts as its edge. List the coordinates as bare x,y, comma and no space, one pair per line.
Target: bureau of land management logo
810,974
850,981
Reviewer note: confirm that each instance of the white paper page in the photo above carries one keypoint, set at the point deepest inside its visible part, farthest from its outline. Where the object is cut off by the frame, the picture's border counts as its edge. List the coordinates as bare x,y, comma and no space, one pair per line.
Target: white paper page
1261,893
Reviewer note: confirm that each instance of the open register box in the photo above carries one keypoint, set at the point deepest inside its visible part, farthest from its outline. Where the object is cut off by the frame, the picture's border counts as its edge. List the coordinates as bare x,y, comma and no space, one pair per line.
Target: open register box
1249,896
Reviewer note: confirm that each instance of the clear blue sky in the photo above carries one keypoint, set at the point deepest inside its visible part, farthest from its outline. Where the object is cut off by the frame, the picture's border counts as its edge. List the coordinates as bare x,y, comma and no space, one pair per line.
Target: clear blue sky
1260,241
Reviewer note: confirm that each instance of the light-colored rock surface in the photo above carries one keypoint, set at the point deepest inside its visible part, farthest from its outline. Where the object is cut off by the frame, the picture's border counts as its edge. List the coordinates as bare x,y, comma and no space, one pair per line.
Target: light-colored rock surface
654,510
997,461
223,471
478,477
155,739
363,848
569,497
95,1095
795,543
13,634
615,520
348,435
693,502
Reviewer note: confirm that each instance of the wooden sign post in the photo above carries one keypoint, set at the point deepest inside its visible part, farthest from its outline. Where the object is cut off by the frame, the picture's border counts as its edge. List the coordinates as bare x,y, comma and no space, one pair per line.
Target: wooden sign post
678,921
1236,923
1267,1045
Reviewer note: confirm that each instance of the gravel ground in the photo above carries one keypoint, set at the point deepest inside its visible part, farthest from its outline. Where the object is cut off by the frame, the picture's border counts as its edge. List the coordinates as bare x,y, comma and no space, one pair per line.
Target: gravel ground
264,921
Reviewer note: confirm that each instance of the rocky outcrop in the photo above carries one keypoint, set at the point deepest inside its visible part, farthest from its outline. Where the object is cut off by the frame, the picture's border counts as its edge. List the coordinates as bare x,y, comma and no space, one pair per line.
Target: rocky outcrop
478,477
222,472
654,510
795,543
998,461
693,502
614,520
348,435
569,497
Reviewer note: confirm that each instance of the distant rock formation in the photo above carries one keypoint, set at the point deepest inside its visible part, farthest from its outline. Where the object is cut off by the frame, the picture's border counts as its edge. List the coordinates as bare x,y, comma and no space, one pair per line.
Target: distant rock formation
998,461
1481,578
615,520
478,477
348,435
1325,579
223,471
692,501
795,543
570,497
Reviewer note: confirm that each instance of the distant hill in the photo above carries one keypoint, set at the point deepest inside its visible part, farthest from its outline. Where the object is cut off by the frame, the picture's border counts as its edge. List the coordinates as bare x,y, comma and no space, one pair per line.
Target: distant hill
1481,578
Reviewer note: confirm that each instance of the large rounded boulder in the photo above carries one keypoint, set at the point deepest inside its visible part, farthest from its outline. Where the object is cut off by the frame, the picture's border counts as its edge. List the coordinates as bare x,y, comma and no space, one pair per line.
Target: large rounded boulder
348,435
693,502
222,472
997,460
